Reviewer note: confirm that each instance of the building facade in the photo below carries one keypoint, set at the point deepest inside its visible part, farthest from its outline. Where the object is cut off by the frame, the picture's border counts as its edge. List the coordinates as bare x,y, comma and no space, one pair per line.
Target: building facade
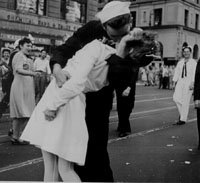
175,21
49,22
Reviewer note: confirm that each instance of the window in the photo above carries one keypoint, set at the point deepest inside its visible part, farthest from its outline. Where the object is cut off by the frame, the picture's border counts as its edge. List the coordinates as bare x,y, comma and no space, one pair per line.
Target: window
158,17
133,13
197,21
186,17
144,16
41,7
32,6
62,9
12,4
73,10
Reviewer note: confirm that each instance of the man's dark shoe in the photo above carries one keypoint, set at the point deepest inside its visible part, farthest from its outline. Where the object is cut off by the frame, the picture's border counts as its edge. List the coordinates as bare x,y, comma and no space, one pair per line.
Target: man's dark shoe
180,122
124,134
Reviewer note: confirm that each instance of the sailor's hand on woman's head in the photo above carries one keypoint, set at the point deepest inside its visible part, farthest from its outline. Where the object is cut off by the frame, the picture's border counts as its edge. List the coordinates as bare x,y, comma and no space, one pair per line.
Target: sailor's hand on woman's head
122,50
50,114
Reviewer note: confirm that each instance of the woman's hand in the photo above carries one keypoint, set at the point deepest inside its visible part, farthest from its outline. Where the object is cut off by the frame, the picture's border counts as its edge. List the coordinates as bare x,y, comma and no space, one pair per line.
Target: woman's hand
50,114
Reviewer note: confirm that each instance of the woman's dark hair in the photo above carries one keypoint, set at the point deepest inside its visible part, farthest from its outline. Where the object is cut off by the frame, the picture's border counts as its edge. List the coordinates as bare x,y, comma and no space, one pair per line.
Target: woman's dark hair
119,21
24,40
6,50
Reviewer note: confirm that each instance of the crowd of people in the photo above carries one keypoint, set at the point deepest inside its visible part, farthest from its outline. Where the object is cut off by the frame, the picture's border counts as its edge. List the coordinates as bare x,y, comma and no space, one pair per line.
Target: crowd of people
68,119
161,76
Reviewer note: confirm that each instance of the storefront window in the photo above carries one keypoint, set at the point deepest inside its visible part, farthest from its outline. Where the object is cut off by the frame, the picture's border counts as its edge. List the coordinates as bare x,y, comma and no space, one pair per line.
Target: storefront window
32,6
75,10
42,7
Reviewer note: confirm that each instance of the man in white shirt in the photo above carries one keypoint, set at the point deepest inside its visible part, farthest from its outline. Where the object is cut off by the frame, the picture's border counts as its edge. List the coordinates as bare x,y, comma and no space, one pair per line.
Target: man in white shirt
41,65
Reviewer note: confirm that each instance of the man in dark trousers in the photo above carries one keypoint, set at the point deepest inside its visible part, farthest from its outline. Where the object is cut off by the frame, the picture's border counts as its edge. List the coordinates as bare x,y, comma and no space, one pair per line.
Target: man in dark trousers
197,98
113,25
125,92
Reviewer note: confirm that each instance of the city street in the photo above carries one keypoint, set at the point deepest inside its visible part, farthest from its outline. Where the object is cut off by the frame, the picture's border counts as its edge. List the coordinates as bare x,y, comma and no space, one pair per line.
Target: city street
155,151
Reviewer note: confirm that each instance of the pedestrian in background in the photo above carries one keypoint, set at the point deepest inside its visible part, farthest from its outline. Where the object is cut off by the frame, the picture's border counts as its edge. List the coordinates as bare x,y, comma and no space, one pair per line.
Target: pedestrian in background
4,68
165,77
41,65
184,83
151,76
160,76
5,71
22,95
10,79
171,75
143,75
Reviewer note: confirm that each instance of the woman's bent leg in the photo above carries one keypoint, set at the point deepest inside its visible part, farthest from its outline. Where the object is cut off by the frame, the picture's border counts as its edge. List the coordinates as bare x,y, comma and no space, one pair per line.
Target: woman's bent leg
50,167
66,171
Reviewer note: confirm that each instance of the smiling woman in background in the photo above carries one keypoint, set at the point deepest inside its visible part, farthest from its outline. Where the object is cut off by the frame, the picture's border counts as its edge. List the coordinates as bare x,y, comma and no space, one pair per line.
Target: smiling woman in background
22,95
